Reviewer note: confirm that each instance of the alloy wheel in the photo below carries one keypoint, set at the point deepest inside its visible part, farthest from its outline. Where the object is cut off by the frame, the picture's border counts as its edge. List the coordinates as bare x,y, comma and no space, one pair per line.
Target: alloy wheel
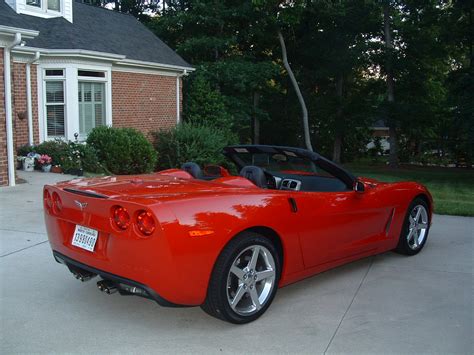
250,280
418,228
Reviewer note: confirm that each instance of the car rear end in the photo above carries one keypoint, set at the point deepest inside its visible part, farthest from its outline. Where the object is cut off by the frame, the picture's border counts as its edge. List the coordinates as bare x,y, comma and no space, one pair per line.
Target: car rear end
110,235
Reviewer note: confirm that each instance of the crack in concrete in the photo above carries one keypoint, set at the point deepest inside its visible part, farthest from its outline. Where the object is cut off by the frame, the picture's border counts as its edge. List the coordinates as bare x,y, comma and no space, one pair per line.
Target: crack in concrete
350,304
16,230
28,247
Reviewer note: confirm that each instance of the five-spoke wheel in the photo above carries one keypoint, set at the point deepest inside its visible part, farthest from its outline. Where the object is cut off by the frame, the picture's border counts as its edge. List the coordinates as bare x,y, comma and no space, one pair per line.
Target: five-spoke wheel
415,228
244,280
251,280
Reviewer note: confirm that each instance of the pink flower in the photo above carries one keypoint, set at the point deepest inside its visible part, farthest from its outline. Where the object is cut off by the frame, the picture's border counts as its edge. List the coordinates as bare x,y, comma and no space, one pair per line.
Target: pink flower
44,159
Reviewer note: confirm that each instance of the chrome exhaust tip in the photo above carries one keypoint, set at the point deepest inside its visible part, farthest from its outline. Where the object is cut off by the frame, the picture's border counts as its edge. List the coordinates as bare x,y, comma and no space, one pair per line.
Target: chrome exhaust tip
82,275
107,286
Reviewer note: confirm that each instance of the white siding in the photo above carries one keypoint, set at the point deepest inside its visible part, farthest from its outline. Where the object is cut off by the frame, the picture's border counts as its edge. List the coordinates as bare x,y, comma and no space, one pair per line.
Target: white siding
11,3
67,11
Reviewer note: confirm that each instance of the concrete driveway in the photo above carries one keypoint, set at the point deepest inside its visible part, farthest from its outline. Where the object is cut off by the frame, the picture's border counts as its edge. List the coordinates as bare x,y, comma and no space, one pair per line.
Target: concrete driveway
384,304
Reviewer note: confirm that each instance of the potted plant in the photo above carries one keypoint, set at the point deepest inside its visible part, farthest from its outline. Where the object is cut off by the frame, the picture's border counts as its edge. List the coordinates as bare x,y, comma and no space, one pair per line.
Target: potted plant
20,161
44,161
56,169
29,161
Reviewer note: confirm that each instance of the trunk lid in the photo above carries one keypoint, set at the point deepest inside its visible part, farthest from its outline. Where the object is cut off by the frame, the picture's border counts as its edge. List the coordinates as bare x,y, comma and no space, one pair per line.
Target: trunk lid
144,186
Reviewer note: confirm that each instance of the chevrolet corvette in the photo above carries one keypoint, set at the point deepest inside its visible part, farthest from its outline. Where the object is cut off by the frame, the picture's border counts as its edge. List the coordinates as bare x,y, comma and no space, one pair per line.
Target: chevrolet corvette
201,236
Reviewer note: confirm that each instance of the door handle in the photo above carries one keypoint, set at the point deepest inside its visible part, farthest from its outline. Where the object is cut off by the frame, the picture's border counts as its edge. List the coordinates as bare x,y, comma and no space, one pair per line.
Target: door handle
294,206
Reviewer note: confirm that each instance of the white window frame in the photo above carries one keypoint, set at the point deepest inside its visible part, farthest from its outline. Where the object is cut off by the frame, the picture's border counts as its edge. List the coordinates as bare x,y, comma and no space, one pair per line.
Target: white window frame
91,79
71,87
54,78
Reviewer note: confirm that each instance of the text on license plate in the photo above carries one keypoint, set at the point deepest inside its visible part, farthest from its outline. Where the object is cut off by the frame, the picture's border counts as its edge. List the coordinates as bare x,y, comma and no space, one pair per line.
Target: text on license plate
85,238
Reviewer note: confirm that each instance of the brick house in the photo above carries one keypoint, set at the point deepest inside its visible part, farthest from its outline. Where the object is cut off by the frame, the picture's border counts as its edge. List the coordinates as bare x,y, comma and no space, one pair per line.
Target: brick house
67,67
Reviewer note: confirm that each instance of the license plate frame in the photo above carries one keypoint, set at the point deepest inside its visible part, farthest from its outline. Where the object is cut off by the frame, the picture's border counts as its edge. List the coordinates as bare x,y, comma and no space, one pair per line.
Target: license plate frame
85,238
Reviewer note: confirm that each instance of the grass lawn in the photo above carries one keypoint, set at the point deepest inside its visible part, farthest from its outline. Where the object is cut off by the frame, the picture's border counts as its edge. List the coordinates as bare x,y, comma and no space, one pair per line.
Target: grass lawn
452,188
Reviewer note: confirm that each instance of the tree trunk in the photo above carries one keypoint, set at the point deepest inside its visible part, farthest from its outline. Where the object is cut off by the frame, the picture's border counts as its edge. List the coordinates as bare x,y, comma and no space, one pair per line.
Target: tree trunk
336,155
256,121
307,137
393,157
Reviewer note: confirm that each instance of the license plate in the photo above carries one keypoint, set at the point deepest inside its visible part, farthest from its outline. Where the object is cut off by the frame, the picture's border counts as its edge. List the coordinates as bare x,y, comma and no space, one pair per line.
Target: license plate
85,238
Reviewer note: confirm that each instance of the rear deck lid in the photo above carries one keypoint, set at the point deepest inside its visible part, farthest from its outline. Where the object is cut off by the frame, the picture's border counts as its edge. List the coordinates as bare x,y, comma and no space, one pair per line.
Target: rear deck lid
152,185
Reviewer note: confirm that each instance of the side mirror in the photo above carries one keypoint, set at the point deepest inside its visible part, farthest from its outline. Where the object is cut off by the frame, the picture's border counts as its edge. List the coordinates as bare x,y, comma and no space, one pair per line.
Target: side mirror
359,186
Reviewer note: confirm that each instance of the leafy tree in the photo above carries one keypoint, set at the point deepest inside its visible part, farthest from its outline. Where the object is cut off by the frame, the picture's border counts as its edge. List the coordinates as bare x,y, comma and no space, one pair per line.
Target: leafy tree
217,37
350,73
205,105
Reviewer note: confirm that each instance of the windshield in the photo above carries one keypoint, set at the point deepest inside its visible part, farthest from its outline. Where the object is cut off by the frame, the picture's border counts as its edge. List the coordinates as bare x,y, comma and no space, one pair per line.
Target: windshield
284,161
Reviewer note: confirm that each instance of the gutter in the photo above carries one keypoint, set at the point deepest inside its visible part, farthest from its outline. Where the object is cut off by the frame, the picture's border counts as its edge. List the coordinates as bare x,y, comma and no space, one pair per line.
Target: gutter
116,59
8,108
25,33
28,97
178,93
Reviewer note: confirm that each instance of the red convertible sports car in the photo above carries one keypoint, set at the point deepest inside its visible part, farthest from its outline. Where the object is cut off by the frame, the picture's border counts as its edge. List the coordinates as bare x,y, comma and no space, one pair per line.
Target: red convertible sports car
192,237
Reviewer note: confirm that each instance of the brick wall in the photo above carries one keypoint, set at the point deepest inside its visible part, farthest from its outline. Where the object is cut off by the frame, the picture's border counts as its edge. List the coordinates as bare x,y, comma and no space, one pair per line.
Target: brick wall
20,118
3,135
143,101
19,112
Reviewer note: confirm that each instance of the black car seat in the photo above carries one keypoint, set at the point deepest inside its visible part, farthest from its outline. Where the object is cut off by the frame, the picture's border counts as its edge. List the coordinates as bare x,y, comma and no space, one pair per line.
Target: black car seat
254,174
193,169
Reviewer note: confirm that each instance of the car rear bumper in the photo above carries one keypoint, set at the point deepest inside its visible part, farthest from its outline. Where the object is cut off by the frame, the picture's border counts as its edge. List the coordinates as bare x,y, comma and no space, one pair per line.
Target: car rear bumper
124,285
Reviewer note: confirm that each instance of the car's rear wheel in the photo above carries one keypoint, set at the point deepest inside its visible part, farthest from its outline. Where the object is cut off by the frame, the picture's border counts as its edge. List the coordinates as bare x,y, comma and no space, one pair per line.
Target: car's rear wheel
415,228
244,280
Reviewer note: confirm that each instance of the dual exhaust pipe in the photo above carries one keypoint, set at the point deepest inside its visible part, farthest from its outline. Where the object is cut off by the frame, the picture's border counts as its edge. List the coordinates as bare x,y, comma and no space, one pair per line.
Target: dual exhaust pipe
83,276
107,286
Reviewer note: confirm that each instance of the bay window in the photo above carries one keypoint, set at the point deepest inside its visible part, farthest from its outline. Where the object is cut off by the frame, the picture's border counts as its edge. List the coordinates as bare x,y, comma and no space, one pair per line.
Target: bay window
75,101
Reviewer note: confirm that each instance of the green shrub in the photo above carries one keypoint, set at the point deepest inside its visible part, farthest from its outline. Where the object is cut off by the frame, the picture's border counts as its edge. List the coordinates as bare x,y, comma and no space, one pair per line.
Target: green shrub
191,142
81,156
89,160
122,150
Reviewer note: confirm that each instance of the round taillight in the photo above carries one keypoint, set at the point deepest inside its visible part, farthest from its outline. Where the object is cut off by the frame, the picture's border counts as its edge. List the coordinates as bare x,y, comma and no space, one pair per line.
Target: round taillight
47,199
57,204
145,222
121,218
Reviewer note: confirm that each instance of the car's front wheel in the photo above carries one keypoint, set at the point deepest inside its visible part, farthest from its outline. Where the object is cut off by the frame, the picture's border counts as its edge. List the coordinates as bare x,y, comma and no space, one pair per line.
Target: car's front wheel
415,228
244,280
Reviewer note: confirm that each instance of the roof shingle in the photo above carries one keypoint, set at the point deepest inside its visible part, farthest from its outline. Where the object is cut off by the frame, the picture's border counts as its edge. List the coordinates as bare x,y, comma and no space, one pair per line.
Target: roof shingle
94,29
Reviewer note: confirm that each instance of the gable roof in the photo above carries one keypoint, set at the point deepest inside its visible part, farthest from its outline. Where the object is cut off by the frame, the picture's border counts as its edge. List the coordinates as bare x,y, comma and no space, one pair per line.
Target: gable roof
95,29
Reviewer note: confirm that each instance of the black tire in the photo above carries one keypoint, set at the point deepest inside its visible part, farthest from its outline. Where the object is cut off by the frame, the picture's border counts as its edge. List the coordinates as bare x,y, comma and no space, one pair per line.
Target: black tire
404,246
217,303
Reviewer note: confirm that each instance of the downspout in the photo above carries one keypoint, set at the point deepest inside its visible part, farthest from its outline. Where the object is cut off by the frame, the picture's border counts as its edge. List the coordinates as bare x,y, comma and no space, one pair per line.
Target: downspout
28,97
8,108
178,111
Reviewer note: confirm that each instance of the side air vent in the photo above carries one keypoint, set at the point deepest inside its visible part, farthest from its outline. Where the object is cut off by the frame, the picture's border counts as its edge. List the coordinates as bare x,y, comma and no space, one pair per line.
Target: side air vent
290,184
85,193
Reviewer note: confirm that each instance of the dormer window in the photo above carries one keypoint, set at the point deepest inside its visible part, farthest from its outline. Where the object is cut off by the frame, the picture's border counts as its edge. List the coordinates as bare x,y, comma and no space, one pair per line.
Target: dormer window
43,8
36,3
45,5
54,5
